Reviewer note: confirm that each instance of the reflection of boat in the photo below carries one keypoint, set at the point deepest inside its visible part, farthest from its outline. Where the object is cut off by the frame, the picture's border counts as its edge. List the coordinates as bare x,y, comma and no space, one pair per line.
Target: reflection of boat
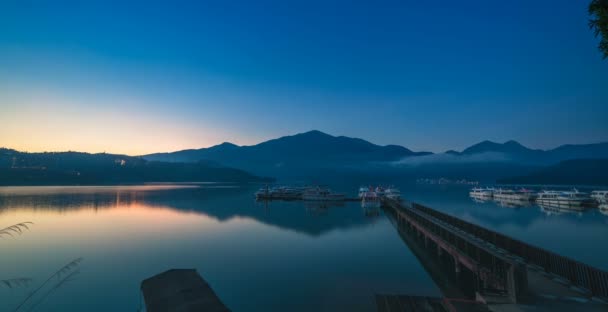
603,208
568,199
321,194
480,200
512,203
559,209
522,195
479,192
370,200
280,192
393,193
600,196
371,212
322,205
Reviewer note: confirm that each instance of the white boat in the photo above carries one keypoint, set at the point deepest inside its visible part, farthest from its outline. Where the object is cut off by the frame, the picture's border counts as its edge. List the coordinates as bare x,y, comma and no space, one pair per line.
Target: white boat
479,192
512,196
363,190
370,200
321,194
380,191
393,193
280,192
572,198
600,196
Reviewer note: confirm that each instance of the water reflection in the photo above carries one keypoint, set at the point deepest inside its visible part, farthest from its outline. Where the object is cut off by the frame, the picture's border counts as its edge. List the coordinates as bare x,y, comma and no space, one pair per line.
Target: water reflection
207,200
603,208
314,256
552,210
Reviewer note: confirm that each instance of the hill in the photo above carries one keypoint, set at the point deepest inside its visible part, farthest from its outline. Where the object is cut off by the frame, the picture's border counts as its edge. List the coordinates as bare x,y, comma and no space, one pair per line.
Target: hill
18,168
291,155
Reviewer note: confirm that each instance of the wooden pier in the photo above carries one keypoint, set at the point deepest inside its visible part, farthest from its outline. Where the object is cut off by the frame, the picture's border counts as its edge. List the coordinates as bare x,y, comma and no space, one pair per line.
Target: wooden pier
503,270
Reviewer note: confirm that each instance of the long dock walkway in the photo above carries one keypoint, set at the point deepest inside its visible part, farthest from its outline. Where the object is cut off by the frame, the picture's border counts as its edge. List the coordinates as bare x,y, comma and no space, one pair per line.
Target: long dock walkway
505,273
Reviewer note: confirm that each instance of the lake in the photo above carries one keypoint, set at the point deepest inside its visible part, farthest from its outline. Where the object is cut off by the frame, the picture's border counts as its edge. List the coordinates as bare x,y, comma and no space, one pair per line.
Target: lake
279,256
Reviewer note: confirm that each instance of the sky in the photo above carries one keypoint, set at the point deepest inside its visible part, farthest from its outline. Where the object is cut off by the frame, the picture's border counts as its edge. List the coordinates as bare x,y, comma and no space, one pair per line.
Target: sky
140,77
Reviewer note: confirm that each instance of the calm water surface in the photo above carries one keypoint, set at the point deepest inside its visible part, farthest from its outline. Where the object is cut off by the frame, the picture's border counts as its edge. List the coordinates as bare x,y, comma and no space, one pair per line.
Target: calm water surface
284,256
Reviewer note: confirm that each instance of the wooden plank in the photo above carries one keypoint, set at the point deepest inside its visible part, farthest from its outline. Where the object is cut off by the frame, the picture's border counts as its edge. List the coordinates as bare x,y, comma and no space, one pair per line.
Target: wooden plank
182,290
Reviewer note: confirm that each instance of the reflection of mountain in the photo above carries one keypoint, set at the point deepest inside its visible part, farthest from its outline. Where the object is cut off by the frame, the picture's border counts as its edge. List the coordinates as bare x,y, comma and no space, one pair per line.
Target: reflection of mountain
222,202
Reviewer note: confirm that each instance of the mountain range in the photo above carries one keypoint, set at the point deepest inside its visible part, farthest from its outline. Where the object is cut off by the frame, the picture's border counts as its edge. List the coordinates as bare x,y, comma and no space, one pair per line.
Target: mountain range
74,168
314,153
311,156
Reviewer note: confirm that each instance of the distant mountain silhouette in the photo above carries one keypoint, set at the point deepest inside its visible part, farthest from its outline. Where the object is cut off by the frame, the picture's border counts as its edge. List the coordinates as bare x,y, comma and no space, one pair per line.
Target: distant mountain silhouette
17,168
313,150
517,153
317,154
509,147
576,171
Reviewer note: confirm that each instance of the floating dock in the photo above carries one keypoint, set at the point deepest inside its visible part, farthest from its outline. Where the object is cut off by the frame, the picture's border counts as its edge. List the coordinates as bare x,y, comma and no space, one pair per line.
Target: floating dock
180,290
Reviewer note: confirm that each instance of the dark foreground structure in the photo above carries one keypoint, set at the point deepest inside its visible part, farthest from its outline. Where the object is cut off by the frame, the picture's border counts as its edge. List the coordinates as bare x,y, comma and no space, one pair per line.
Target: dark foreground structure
401,303
180,290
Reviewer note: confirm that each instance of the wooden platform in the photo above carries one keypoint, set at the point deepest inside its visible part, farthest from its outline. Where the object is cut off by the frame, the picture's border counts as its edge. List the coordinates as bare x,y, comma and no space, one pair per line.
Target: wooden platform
404,303
182,290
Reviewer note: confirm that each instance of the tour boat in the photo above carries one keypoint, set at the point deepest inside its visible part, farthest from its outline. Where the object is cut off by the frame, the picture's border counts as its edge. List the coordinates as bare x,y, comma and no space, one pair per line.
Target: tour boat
363,190
572,198
393,193
280,192
380,191
511,195
600,196
370,200
481,192
321,194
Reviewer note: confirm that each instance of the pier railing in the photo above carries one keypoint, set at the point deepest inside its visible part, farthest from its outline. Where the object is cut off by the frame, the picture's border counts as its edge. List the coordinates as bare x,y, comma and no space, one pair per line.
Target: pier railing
579,274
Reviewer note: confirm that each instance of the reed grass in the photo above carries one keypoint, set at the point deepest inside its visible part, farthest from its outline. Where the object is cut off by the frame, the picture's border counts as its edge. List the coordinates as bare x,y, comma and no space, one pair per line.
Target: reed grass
15,282
15,229
63,271
58,285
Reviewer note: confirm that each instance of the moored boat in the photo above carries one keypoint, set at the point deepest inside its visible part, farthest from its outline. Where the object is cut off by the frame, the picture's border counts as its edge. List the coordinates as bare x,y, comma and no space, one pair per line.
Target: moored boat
512,195
572,198
480,192
370,199
321,194
280,192
600,196
393,193
363,190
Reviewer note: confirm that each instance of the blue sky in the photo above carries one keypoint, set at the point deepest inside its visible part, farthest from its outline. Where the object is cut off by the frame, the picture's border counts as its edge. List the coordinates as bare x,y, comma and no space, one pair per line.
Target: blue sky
150,76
